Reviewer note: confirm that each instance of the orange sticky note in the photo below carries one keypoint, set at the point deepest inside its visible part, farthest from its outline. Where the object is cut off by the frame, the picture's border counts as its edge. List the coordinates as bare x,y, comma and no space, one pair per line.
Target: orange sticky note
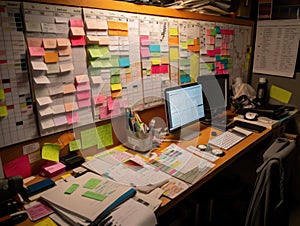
173,41
51,57
71,106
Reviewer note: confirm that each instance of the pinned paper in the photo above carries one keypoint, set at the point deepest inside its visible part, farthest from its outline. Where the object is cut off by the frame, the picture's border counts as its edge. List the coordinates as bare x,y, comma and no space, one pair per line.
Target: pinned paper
89,138
280,94
51,152
49,43
105,135
75,145
18,166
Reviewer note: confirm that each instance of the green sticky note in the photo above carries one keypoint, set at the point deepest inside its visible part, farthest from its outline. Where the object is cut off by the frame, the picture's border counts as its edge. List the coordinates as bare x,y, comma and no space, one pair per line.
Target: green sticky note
94,71
280,94
75,145
89,138
101,52
184,62
105,135
94,195
2,95
71,189
51,152
115,71
115,79
92,183
190,41
114,61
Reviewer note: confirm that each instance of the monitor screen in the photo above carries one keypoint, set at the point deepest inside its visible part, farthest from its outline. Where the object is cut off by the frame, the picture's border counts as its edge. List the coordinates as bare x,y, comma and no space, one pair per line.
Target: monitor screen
184,106
215,93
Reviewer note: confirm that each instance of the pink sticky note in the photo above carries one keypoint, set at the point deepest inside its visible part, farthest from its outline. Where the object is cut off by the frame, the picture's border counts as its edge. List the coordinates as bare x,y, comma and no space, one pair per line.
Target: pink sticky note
145,41
77,40
83,95
99,99
145,52
104,113
60,120
37,210
210,53
19,166
84,103
36,51
164,69
83,86
217,51
115,112
76,22
155,69
72,117
113,104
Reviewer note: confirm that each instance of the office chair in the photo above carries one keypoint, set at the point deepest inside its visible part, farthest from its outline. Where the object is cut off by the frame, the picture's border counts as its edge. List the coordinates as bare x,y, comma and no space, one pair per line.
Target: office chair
270,200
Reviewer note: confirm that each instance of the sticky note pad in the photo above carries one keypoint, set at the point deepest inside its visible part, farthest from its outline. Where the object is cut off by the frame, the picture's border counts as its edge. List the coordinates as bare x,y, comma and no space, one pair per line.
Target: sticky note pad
71,189
92,183
3,111
94,195
280,94
51,152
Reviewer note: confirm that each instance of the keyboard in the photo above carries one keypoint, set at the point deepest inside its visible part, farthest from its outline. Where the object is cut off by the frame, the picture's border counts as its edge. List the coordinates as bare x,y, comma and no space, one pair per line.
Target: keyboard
230,138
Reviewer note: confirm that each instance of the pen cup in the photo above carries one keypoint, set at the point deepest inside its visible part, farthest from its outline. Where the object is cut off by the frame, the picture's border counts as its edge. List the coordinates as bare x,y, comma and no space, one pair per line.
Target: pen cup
139,142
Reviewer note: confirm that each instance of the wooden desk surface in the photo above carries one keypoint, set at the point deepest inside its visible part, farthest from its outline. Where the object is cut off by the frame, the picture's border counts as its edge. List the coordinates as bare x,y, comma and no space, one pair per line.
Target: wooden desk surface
231,156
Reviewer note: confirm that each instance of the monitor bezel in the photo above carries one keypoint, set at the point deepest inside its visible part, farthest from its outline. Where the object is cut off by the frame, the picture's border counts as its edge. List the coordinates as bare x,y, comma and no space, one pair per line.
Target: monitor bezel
168,111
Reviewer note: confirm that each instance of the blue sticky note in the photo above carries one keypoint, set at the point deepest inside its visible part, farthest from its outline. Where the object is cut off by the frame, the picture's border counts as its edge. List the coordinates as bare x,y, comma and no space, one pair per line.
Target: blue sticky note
218,30
218,57
124,62
154,48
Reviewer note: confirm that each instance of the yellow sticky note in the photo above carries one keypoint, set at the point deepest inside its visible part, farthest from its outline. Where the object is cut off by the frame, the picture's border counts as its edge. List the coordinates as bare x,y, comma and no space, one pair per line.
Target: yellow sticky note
155,61
173,31
2,95
3,111
280,94
51,152
46,222
115,87
194,66
89,138
174,54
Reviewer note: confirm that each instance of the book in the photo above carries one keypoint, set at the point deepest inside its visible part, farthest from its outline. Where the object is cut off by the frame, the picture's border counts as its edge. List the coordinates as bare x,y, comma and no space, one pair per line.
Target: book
87,197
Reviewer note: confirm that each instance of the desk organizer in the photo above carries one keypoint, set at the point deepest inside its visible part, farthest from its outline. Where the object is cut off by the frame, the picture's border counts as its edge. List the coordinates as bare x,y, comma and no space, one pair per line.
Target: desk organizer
140,144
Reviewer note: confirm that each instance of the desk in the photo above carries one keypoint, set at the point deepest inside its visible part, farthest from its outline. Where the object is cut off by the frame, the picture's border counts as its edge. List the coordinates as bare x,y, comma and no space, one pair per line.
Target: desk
231,156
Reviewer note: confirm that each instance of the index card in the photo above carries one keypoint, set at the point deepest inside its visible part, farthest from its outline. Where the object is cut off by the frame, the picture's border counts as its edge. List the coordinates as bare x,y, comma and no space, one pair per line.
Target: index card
77,31
83,95
91,24
64,51
71,106
103,40
54,90
61,20
60,120
63,42
53,68
33,27
34,42
45,111
44,100
97,79
92,39
83,86
84,103
82,78
42,79
102,24
37,65
49,43
66,67
36,51
58,108
47,123
48,28
69,88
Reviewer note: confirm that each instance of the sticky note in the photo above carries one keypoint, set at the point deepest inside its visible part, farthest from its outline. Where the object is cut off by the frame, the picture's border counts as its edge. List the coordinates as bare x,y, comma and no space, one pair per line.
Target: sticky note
46,222
77,40
18,166
124,62
34,42
89,138
51,152
63,42
36,51
94,195
2,95
115,87
154,48
280,94
105,135
71,189
92,183
173,31
72,117
75,22
174,54
51,57
49,43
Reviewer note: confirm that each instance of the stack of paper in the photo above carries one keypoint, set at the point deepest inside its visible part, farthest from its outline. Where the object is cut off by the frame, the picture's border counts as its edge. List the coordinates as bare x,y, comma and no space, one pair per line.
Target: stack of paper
84,199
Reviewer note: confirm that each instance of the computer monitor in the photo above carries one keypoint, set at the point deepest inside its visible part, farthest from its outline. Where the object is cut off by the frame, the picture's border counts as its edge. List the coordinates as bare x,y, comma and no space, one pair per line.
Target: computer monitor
215,94
184,106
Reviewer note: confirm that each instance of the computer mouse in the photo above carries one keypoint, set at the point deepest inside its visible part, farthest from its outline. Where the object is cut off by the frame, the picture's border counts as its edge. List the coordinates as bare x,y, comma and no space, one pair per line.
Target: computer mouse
218,152
252,116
